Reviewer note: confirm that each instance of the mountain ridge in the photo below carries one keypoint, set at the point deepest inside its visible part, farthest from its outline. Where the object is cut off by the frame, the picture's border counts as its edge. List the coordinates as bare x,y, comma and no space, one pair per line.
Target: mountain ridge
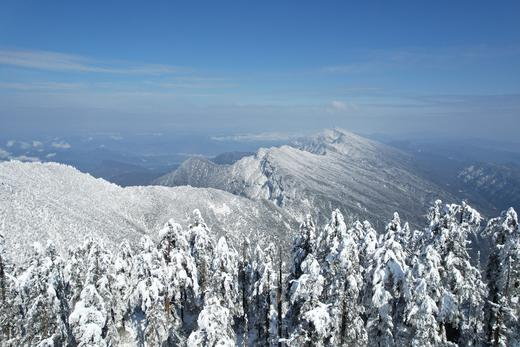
316,174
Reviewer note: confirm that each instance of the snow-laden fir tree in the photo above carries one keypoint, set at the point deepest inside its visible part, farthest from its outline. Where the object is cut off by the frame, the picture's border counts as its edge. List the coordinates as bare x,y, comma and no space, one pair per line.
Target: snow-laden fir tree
152,322
89,318
11,321
463,291
333,269
75,271
309,318
201,246
351,330
422,316
42,290
264,315
422,308
182,289
368,244
304,244
330,237
343,281
389,292
503,276
222,303
122,285
246,283
99,273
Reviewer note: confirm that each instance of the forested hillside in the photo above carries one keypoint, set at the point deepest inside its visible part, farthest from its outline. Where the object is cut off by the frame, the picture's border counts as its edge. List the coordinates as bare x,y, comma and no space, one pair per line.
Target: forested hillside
345,285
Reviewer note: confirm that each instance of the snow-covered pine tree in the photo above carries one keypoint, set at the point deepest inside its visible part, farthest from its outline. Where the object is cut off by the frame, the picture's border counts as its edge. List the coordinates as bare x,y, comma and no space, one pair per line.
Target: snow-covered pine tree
463,289
304,244
11,322
309,318
215,326
389,292
201,246
367,246
333,269
182,291
330,237
75,271
100,274
122,286
351,330
89,318
397,230
343,281
264,315
43,296
4,268
422,308
280,307
152,321
245,280
422,312
222,301
503,276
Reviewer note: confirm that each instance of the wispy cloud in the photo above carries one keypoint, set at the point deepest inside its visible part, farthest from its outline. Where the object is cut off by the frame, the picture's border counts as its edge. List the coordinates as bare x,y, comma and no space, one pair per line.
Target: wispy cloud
4,154
61,145
252,137
55,61
337,106
351,68
377,60
41,86
194,82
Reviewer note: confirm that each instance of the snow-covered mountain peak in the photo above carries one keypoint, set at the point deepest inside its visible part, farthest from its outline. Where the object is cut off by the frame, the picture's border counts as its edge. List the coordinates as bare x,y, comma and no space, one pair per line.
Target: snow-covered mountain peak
332,169
341,142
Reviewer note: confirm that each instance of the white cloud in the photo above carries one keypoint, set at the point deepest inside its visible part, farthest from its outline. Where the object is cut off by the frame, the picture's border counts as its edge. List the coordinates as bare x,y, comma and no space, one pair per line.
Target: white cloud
11,143
37,144
55,61
50,155
4,154
339,105
24,145
351,68
61,145
41,86
266,136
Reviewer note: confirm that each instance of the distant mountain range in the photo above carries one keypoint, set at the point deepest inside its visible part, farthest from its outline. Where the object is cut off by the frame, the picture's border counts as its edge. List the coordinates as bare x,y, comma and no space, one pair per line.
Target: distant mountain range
333,169
497,184
260,195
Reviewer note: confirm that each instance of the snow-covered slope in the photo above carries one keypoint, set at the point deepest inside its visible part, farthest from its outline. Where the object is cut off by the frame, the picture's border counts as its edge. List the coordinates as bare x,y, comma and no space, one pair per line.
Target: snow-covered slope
333,169
54,201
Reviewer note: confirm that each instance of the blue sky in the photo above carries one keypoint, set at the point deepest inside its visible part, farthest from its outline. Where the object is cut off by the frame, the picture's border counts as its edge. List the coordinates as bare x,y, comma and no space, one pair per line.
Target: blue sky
449,68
